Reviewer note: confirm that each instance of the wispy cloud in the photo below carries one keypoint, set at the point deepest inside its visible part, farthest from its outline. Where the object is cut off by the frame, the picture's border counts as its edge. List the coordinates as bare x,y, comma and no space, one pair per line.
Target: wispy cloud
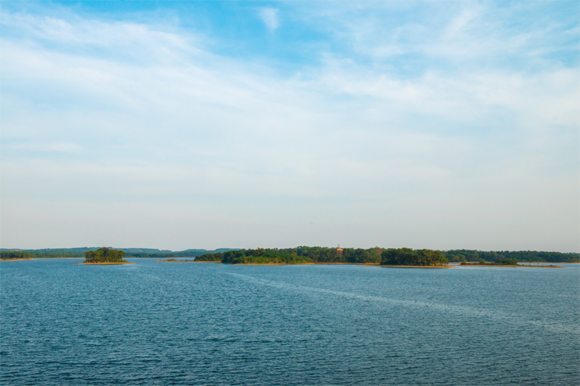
270,18
463,35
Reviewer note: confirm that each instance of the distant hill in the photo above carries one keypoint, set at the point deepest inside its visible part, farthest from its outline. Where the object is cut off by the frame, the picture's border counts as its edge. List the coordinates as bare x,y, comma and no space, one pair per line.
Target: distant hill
186,253
130,252
317,254
53,250
214,250
458,255
145,250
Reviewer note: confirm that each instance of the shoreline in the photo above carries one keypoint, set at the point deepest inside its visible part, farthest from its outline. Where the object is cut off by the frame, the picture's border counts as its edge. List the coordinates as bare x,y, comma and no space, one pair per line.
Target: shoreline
370,264
511,266
418,266
106,263
524,264
219,262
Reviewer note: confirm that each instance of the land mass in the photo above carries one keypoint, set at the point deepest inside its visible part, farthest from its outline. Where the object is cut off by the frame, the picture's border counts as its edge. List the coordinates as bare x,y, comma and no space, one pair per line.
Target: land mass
387,257
105,256
305,255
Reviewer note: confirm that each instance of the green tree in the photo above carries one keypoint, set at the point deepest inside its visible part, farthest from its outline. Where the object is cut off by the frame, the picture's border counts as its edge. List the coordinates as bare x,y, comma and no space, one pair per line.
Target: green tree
105,255
408,256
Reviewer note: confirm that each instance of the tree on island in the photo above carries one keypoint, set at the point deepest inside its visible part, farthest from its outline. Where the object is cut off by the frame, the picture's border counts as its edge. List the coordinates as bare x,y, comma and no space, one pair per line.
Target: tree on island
105,255
408,256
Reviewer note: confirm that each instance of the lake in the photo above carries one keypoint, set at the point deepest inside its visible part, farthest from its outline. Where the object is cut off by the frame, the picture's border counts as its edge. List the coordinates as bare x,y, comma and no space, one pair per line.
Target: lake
152,323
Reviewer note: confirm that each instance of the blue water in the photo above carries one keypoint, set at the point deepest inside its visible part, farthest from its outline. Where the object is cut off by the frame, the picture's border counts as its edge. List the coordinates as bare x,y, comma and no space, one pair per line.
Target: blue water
209,324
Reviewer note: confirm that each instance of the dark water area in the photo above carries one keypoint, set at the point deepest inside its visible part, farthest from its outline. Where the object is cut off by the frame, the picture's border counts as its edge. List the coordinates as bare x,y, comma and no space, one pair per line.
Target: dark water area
153,323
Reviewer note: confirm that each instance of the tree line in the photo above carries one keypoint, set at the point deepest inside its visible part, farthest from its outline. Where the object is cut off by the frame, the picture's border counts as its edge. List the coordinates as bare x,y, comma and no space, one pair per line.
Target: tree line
65,253
298,255
301,255
80,252
8,255
316,254
417,257
462,255
404,256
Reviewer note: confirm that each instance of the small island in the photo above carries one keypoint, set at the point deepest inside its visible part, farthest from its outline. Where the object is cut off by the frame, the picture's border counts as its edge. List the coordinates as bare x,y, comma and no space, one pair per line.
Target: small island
105,256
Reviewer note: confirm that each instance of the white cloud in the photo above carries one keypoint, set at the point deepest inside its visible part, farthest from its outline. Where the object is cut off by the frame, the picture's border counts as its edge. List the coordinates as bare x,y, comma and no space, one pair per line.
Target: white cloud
270,18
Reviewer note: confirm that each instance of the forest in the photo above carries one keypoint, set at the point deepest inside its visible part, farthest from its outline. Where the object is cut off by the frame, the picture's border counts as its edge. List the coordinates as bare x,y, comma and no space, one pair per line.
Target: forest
298,255
255,256
13,255
418,257
461,255
105,255
378,255
302,255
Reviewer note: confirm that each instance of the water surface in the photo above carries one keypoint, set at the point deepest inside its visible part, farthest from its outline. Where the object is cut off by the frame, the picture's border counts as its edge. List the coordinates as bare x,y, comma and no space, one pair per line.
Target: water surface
186,324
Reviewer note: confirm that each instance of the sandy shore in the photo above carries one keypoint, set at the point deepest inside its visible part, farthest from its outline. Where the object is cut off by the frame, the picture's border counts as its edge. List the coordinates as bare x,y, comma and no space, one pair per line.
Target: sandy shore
125,262
219,262
511,266
14,259
369,264
418,266
366,264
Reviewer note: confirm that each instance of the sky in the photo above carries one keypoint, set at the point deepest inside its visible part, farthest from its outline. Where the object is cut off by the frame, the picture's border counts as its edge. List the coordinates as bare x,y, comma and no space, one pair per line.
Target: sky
176,125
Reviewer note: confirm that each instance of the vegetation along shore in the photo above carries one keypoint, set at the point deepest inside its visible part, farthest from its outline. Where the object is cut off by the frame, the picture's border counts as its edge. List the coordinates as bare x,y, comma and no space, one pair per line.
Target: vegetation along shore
387,257
392,257
105,256
14,256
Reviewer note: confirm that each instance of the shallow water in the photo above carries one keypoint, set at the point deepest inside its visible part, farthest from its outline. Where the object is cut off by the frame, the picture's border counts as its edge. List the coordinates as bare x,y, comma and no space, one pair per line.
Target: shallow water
184,324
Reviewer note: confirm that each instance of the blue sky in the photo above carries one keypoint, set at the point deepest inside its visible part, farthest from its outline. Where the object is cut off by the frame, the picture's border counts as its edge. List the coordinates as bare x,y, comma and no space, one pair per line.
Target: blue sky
242,124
